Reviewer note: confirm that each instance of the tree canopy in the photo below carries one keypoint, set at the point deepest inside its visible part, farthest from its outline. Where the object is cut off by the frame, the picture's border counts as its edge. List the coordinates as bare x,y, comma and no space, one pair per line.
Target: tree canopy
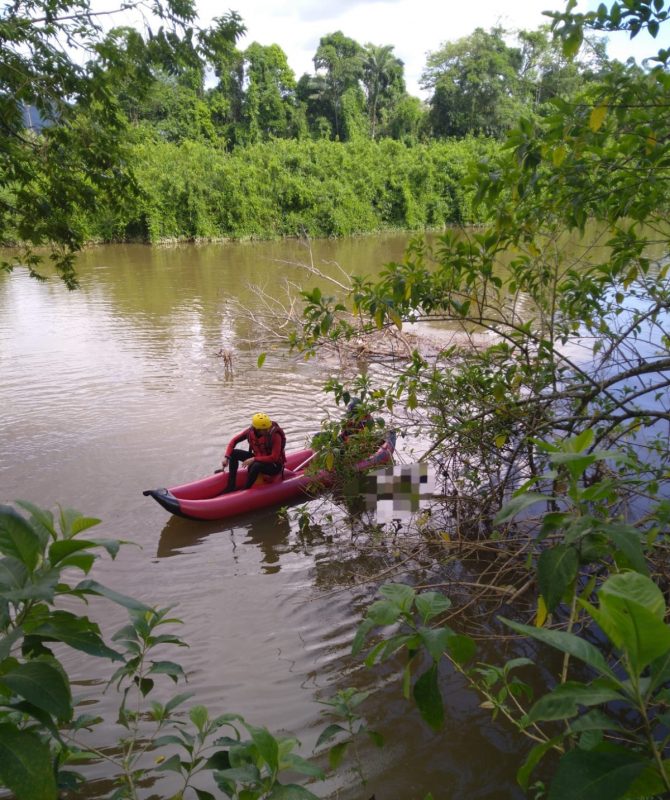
75,156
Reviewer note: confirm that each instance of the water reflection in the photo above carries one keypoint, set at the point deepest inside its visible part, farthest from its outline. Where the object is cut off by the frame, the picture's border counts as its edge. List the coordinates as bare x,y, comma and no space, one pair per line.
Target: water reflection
180,534
271,539
268,531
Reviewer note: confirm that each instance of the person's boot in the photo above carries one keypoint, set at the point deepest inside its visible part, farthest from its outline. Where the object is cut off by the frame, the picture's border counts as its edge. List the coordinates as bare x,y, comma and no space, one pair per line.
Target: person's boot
231,483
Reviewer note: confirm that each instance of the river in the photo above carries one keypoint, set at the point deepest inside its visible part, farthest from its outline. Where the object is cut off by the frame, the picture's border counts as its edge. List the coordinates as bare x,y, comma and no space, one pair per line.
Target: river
120,386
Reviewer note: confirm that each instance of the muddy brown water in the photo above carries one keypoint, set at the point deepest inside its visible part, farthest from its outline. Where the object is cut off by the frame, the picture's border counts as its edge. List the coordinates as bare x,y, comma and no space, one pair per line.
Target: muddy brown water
118,387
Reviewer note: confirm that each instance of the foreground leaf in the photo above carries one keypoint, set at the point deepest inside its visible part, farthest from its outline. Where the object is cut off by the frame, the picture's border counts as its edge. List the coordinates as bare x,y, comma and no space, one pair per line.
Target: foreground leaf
42,685
25,765
566,643
590,775
429,698
17,538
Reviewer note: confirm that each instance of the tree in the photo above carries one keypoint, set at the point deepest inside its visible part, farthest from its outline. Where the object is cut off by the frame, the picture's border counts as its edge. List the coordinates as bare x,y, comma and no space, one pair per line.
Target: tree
382,80
475,84
546,72
218,45
270,103
54,59
408,120
340,58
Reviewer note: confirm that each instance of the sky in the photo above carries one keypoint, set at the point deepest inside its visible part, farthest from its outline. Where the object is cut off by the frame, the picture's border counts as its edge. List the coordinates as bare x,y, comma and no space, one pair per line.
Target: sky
413,27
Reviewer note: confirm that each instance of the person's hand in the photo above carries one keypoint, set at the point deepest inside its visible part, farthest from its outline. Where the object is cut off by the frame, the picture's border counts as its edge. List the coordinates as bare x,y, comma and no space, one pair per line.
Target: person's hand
248,462
224,463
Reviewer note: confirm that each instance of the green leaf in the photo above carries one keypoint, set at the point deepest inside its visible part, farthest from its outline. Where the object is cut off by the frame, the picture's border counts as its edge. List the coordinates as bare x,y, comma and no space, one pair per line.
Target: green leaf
201,794
387,647
267,746
82,561
95,588
627,541
41,520
431,604
429,698
635,588
329,733
558,155
171,668
572,42
177,700
145,685
461,648
13,575
8,641
261,360
25,765
533,758
171,738
565,700
435,641
336,754
556,570
303,766
591,775
383,612
566,643
361,633
219,760
399,593
65,547
198,716
80,524
39,714
594,720
77,632
518,504
18,539
581,442
576,463
41,587
172,764
628,614
648,784
247,773
42,685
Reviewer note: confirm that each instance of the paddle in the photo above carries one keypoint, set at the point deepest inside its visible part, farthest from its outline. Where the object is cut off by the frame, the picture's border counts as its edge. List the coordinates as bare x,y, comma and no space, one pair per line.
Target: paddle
304,463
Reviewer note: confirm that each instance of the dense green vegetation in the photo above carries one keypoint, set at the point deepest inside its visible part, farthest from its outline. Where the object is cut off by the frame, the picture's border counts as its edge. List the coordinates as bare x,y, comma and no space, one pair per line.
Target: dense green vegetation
289,188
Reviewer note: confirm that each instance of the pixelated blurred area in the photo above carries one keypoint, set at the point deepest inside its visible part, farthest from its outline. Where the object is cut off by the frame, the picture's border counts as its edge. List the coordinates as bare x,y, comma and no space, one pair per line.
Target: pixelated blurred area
395,492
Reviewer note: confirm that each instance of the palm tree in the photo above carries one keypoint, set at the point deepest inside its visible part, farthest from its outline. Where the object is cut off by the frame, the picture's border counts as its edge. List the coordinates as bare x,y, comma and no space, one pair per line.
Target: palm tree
381,70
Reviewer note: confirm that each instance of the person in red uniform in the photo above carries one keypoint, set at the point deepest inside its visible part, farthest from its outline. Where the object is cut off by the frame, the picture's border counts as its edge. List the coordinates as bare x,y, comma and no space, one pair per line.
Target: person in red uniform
265,455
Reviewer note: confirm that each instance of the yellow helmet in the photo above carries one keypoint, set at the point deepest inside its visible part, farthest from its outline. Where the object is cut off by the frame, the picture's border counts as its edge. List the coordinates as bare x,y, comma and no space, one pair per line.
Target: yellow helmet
261,422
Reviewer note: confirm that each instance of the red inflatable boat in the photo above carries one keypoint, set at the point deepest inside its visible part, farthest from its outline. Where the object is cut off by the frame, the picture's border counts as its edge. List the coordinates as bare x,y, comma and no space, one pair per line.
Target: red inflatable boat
203,499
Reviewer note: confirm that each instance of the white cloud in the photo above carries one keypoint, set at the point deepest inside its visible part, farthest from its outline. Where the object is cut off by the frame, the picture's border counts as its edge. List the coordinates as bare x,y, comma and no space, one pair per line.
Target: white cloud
413,27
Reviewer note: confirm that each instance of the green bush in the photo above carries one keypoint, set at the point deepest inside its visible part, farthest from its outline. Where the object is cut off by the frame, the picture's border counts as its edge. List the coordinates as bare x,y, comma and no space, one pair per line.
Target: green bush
195,190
